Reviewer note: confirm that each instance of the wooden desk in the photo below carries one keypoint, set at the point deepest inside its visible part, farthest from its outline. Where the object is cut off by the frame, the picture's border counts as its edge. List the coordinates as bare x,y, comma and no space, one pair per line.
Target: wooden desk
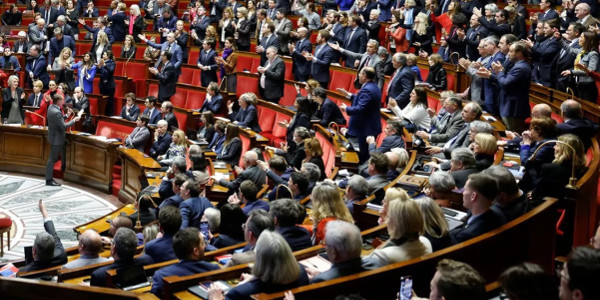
100,225
133,164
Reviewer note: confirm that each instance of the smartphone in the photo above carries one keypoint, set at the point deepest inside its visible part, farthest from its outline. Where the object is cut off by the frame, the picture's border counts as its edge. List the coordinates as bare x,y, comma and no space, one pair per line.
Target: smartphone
406,288
204,230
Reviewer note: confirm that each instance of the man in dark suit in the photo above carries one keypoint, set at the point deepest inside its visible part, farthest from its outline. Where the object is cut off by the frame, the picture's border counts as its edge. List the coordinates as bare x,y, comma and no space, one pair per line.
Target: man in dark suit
174,200
166,77
48,250
367,59
193,206
178,167
320,61
82,103
166,109
216,8
102,27
171,46
57,128
272,9
475,33
328,111
188,245
166,23
90,11
117,20
106,68
285,214
35,98
151,111
213,100
377,168
448,126
393,139
355,40
269,39
271,79
478,196
21,45
547,11
64,27
162,140
500,27
490,90
169,222
574,123
402,81
58,42
565,59
252,173
199,25
301,66
122,249
130,110
48,13
364,116
283,26
343,245
543,52
207,63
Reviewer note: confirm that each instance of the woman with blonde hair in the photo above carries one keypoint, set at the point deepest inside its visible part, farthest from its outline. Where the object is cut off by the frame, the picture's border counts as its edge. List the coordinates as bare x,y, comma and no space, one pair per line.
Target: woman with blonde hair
391,194
274,270
314,153
211,33
435,224
421,38
226,25
178,147
62,68
484,147
405,225
242,29
328,205
102,44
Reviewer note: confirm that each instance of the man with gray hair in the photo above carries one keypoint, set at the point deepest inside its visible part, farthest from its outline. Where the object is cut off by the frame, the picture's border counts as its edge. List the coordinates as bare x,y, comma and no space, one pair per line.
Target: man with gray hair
270,85
440,189
258,221
178,166
475,90
362,60
356,190
386,61
583,14
313,172
162,139
462,164
252,172
343,244
90,243
470,112
301,67
61,22
59,42
48,251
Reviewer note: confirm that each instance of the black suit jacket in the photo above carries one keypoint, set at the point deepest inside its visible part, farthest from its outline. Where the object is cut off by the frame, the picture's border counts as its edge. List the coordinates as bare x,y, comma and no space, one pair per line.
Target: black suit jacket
99,276
172,120
59,257
485,222
166,80
583,128
330,112
461,176
7,102
244,34
274,79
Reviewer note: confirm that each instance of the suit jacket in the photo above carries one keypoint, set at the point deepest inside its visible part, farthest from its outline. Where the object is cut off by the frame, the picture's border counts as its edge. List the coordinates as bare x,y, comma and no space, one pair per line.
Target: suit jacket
160,249
36,36
107,75
93,14
165,23
401,85
299,120
241,258
166,81
177,57
59,257
549,15
155,117
38,70
266,42
174,200
545,51
57,127
200,27
346,268
208,60
364,112
7,102
365,61
323,57
461,176
161,145
231,152
483,223
95,31
296,236
247,118
564,61
118,25
301,66
83,104
330,112
17,44
376,182
514,90
134,113
274,75
99,276
255,286
32,99
451,128
243,31
192,211
490,89
183,268
493,28
583,128
282,30
88,79
53,14
474,35
138,138
388,143
172,121
356,43
476,87
252,173
214,105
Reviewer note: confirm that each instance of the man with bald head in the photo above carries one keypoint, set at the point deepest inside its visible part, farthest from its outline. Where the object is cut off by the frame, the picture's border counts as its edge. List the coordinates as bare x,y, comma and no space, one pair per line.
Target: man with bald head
252,173
301,66
90,243
583,13
575,123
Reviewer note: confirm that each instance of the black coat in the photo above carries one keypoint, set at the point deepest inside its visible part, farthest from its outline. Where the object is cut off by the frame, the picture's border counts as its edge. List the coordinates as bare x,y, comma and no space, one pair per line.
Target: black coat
7,101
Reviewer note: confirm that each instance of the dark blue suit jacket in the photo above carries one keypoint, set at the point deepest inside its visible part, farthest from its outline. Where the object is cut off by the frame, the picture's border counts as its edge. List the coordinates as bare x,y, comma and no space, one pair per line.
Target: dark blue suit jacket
160,249
183,268
99,276
107,75
67,42
107,30
134,113
39,70
208,60
176,59
550,14
174,200
300,120
247,118
167,78
296,236
53,14
388,143
214,105
330,112
255,286
583,128
490,90
301,66
485,222
401,86
272,40
192,211
155,117
358,44
31,99
514,90
364,112
118,26
320,64
160,146
545,52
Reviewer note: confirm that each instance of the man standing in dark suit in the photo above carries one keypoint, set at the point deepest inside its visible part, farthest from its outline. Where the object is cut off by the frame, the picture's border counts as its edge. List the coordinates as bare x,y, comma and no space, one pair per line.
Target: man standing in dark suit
548,12
402,81
37,34
198,27
58,42
269,39
320,61
216,8
57,128
166,77
575,124
301,66
565,59
475,33
544,51
478,196
162,140
355,40
283,26
82,103
193,206
271,79
166,109
171,46
48,250
117,20
207,63
90,11
36,67
48,13
364,112
500,27
102,27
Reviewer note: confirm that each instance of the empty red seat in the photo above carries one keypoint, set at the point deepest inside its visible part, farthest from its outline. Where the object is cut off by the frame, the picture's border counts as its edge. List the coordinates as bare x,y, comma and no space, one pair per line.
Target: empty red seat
195,99
289,95
247,83
182,119
266,118
153,89
114,130
245,147
193,56
244,63
179,98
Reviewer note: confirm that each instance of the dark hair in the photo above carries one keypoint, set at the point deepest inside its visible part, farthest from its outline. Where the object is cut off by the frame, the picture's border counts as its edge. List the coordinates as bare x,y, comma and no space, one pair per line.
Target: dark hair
357,20
169,219
180,179
145,203
591,41
56,98
152,100
287,211
504,14
459,281
527,281
304,106
421,95
109,54
484,184
397,126
578,27
232,218
302,181
185,241
278,163
380,161
168,54
145,119
509,38
199,162
319,92
194,187
211,42
459,20
369,72
249,190
233,131
325,34
231,40
583,267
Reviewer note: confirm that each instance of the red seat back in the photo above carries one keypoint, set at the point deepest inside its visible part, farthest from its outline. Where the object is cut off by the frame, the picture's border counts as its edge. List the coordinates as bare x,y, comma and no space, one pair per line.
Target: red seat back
137,70
328,153
195,99
244,62
116,49
179,98
246,84
153,89
289,95
139,53
187,74
182,118
113,130
245,147
266,119
193,56
278,130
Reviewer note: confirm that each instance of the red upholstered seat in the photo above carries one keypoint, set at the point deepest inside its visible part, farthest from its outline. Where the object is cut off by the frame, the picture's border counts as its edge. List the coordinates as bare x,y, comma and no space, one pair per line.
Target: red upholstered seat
451,81
246,84
195,99
139,53
113,130
341,78
182,118
119,68
153,89
278,134
193,56
381,136
244,63
179,98
328,153
266,120
245,147
187,74
433,103
196,77
384,93
5,222
116,49
289,75
289,95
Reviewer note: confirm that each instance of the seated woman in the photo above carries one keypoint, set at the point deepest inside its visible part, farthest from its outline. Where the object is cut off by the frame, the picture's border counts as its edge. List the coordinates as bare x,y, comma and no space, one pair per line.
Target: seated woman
541,130
294,158
208,129
553,177
275,270
440,188
232,146
146,210
416,110
300,119
437,75
314,153
405,225
178,147
436,226
247,115
198,167
391,194
230,230
484,147
328,112
327,205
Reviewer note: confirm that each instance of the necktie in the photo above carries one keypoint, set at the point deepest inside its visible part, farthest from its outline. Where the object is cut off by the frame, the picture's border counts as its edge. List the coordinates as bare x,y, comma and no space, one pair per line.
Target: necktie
366,64
350,37
392,80
47,16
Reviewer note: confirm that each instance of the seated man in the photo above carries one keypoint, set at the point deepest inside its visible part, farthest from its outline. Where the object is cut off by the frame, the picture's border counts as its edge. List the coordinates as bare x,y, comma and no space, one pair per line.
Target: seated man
356,190
252,173
288,213
193,206
90,244
176,199
162,140
169,222
478,196
122,250
166,108
510,201
247,196
575,123
179,166
579,274
377,169
455,280
343,244
298,185
277,172
48,250
139,137
448,125
393,131
462,164
188,245
258,220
